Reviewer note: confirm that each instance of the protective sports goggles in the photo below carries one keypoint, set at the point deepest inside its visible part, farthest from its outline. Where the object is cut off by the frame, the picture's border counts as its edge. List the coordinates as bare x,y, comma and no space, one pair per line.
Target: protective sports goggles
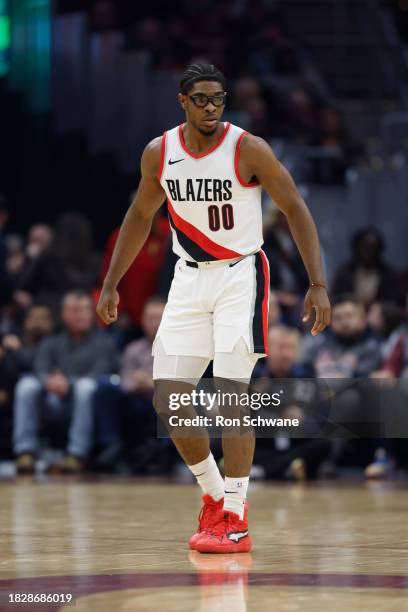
201,100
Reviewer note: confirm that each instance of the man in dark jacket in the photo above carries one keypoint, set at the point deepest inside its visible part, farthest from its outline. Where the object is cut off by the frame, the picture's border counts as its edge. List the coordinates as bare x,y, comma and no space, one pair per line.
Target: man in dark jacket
344,357
294,456
66,368
348,349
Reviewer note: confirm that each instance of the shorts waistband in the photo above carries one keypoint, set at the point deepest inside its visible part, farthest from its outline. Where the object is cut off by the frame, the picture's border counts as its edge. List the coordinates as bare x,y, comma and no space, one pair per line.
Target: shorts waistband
215,263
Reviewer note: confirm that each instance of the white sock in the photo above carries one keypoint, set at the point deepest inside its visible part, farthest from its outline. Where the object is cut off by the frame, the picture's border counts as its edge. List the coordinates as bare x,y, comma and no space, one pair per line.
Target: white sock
209,477
235,494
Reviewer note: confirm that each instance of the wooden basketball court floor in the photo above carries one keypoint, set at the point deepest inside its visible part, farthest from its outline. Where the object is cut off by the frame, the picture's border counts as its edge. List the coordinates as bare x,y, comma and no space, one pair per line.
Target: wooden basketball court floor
121,545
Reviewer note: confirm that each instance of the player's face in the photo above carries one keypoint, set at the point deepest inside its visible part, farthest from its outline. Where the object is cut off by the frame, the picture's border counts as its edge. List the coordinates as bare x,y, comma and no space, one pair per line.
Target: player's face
204,118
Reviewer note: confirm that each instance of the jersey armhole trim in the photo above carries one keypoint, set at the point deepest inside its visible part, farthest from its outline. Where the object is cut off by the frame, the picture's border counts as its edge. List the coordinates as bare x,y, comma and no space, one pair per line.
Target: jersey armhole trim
162,156
236,164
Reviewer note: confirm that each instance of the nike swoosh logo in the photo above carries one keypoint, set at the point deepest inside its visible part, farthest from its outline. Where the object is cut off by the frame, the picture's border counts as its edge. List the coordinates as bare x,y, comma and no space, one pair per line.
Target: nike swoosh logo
235,263
237,535
176,161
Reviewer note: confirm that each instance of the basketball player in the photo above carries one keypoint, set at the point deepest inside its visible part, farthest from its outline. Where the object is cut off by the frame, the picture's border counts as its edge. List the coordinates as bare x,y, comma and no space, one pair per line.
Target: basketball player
212,174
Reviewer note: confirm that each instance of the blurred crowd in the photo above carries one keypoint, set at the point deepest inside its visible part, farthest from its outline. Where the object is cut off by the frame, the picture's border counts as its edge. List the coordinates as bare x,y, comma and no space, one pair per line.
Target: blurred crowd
68,383
274,88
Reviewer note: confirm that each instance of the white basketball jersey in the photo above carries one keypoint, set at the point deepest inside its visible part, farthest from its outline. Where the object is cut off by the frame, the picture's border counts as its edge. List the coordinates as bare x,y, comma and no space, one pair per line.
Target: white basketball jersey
213,213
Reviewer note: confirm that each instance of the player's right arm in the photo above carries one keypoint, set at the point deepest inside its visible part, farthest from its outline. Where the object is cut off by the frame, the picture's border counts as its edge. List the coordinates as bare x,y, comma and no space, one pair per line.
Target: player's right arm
134,231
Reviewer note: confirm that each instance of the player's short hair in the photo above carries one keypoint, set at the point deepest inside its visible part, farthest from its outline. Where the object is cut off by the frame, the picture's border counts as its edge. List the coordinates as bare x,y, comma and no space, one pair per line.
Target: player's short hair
200,72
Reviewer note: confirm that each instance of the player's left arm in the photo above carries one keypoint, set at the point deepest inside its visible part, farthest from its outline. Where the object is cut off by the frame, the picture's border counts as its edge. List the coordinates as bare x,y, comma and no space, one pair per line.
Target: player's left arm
256,157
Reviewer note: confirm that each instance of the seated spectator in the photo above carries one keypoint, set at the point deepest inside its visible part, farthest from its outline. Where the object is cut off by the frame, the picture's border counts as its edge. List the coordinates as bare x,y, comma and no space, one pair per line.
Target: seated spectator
66,368
123,412
263,54
300,118
246,90
288,275
38,324
8,378
8,374
347,349
332,137
384,319
392,452
15,256
68,263
331,130
16,357
39,239
283,456
259,122
396,365
366,275
284,350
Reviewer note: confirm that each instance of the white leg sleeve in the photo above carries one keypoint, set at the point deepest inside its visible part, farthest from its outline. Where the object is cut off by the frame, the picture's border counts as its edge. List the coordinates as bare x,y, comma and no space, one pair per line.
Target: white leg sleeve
176,367
237,365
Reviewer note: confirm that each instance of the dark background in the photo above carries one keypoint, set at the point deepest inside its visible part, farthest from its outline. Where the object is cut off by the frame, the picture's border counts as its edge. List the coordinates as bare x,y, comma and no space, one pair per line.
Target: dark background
89,83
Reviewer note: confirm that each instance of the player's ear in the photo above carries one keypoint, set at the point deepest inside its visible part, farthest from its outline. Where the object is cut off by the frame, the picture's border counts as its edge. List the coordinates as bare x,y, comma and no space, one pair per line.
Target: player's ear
182,100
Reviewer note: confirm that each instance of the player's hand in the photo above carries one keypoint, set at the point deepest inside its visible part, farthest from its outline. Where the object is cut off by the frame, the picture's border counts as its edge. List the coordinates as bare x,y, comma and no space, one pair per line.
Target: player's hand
317,299
107,307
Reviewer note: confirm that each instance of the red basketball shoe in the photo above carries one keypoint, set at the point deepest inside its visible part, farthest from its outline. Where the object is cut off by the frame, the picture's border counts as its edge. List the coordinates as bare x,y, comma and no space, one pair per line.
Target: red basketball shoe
208,515
228,535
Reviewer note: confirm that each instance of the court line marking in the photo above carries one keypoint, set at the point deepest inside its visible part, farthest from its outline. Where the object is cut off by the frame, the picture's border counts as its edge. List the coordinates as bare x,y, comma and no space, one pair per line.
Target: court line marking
92,584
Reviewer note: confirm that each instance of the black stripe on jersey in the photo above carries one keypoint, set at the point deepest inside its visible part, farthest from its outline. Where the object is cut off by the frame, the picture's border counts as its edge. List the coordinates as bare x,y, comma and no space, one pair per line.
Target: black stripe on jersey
192,248
257,321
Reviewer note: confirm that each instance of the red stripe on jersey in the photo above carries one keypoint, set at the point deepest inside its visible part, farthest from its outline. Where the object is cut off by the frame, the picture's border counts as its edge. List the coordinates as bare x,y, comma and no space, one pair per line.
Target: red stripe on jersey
265,299
199,238
236,164
204,153
162,155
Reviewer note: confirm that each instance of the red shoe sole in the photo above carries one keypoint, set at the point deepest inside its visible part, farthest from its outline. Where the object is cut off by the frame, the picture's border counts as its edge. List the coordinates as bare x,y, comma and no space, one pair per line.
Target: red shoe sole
192,543
243,546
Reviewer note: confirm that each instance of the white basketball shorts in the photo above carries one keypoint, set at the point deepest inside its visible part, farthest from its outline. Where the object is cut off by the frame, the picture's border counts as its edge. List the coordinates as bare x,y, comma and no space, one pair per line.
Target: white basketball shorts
211,307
